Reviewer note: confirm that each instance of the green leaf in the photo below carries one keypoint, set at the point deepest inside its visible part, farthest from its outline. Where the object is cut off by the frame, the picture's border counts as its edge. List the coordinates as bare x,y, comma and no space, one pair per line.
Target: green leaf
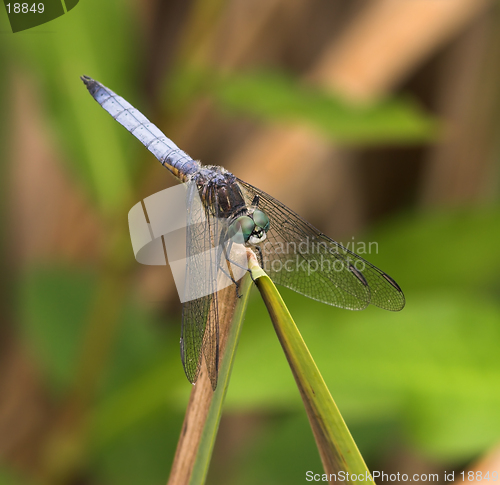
276,97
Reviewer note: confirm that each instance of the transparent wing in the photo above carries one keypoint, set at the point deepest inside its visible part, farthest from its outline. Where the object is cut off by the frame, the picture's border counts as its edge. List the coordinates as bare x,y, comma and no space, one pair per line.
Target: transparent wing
298,256
196,316
200,312
164,149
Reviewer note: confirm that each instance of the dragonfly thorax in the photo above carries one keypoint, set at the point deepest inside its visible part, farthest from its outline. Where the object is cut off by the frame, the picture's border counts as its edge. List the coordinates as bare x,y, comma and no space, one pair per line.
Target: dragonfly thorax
219,191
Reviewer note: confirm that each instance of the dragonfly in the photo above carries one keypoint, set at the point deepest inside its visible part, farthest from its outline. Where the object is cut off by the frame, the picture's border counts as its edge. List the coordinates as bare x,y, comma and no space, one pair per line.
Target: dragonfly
291,251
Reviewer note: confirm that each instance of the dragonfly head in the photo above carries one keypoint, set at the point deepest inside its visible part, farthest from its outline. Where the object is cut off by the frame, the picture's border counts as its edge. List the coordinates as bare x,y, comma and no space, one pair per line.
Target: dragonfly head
250,228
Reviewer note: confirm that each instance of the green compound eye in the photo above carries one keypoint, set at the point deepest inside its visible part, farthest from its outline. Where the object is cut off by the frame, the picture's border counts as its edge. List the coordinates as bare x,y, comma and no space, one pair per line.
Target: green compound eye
243,224
261,220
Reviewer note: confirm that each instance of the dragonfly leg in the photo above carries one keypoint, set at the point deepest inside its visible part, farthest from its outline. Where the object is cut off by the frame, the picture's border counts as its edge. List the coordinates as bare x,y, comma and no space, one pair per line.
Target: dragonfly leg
260,257
229,274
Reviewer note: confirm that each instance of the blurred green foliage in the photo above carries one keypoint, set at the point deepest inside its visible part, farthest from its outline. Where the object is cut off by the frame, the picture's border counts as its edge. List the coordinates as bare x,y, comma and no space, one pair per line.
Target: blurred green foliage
84,43
432,367
53,307
9,478
279,97
426,375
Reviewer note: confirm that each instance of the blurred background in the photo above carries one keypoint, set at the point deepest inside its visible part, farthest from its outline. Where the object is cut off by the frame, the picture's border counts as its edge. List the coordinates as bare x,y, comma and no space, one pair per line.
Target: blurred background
377,121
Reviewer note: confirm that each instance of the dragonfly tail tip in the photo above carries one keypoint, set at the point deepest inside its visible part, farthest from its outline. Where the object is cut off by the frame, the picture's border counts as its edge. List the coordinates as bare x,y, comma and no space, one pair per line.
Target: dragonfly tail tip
91,84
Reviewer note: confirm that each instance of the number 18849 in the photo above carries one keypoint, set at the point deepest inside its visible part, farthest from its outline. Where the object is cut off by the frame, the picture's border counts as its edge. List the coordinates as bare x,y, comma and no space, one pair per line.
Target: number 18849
25,8
479,476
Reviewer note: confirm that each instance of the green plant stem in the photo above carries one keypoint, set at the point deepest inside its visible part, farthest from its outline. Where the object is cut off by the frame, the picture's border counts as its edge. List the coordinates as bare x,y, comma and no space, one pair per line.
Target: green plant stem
336,446
199,430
